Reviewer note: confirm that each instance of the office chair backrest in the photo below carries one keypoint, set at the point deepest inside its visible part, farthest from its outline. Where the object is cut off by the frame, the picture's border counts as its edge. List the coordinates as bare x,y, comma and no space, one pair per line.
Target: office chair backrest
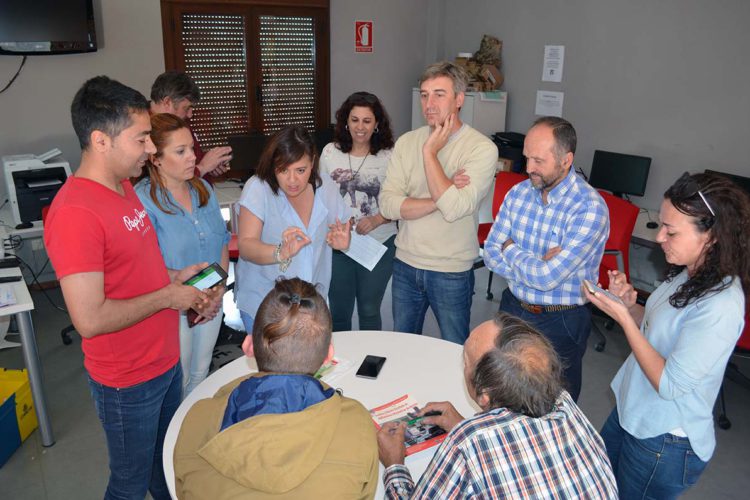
622,217
503,182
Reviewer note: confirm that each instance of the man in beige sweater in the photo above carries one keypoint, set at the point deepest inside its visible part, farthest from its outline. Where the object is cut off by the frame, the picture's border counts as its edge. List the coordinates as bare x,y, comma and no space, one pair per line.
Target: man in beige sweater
436,244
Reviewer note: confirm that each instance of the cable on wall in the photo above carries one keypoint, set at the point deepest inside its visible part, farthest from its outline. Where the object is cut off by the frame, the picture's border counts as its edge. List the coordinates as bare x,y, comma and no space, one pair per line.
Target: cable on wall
23,61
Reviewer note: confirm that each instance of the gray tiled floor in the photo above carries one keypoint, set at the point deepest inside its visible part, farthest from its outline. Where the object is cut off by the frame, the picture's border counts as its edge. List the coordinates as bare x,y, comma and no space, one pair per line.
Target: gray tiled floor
76,466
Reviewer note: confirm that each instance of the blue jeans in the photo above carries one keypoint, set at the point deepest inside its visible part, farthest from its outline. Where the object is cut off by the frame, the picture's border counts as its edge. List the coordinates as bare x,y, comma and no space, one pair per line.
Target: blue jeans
135,420
351,281
659,467
567,330
248,321
196,350
448,294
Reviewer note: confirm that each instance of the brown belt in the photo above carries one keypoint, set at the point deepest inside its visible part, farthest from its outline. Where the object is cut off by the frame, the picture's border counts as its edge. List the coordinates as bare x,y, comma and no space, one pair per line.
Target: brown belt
539,309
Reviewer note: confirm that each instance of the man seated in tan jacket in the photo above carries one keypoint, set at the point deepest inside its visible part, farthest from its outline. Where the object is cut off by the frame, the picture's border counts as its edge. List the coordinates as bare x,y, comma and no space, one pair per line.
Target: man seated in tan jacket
280,433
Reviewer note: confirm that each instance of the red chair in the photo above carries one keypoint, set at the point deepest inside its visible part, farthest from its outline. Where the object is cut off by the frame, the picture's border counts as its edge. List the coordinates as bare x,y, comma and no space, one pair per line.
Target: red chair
234,248
742,349
503,182
622,217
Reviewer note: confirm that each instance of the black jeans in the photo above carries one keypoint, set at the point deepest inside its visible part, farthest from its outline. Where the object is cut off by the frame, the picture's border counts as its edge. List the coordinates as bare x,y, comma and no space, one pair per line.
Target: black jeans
567,330
352,282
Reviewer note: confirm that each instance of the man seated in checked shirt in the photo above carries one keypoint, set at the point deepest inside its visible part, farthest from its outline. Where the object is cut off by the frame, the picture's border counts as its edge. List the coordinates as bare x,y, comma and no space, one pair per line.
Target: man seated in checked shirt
530,440
548,237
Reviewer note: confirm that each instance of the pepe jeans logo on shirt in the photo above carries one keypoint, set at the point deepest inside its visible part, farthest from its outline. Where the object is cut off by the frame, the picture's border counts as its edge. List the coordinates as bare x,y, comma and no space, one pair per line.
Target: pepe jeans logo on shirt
136,222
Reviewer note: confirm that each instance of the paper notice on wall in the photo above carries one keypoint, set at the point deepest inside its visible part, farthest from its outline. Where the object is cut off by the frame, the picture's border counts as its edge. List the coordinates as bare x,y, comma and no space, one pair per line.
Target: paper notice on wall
549,103
554,59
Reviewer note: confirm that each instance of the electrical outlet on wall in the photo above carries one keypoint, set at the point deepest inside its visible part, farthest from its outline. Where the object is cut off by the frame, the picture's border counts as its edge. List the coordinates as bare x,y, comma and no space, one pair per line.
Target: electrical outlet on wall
37,244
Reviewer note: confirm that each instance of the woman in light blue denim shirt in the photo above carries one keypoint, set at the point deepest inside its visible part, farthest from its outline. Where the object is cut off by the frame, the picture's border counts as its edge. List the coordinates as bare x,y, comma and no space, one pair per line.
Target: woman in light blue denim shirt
289,222
660,435
185,213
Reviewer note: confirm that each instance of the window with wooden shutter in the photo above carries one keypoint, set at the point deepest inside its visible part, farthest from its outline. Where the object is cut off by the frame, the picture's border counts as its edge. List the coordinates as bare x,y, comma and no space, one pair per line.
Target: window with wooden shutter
287,62
214,47
260,64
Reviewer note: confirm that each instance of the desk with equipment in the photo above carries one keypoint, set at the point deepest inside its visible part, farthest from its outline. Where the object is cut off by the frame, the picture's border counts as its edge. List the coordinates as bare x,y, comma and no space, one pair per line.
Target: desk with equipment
30,182
21,309
426,368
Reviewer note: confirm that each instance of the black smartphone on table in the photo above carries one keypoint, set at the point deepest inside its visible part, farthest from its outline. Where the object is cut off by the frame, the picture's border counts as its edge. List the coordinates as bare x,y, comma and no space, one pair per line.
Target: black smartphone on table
205,278
370,367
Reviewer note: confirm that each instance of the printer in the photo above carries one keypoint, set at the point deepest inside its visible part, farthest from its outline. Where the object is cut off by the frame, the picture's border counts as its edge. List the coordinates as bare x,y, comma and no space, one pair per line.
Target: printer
32,182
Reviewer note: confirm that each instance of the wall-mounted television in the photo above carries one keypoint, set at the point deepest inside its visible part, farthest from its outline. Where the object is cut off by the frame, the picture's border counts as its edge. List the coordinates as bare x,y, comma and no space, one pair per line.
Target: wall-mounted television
39,27
620,173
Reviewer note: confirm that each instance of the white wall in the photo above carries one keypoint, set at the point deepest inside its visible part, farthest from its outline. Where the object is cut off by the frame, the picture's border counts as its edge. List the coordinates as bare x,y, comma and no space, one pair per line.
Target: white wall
663,79
404,42
35,111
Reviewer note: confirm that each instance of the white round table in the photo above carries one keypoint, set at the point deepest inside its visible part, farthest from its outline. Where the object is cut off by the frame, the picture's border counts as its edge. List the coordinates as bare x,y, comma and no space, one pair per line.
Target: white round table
426,368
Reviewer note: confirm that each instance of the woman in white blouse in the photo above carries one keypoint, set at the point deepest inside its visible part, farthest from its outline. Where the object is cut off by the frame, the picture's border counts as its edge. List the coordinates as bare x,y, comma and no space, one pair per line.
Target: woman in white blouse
290,217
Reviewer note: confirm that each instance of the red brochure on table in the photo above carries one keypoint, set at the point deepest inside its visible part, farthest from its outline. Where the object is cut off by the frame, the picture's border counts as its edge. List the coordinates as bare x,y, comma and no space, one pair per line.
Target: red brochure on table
418,436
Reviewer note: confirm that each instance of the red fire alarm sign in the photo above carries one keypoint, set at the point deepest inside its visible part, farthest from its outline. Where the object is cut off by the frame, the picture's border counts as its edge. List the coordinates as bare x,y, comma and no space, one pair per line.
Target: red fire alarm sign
363,36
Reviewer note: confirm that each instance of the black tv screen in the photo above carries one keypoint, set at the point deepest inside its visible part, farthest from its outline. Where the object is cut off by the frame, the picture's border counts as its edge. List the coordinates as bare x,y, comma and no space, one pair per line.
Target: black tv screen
620,173
35,27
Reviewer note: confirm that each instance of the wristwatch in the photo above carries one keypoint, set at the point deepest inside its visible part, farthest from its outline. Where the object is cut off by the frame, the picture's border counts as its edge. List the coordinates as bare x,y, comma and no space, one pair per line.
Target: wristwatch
283,263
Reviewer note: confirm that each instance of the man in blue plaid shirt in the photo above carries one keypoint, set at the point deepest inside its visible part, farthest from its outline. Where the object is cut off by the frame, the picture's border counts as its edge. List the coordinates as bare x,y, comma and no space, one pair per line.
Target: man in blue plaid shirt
530,441
548,237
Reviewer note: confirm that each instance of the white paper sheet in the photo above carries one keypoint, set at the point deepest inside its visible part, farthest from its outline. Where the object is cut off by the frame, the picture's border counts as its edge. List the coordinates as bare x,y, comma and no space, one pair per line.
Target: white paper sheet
554,60
549,103
366,250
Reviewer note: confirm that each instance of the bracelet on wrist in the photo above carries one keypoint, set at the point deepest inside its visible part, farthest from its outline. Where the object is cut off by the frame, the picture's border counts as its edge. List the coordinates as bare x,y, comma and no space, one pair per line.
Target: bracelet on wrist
283,263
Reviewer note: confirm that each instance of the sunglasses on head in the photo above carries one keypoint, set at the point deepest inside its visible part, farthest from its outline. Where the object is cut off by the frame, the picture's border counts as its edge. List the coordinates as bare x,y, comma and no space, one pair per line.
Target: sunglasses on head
691,189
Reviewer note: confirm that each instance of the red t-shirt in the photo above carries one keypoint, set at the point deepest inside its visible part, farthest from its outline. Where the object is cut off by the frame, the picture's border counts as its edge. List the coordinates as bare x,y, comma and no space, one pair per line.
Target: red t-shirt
91,228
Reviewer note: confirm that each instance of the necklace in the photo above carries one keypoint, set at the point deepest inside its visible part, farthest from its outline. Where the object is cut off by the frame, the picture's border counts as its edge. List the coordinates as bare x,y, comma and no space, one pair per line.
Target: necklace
349,155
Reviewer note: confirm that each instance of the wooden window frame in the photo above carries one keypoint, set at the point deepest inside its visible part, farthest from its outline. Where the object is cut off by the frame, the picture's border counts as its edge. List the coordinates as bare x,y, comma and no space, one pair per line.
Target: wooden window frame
171,11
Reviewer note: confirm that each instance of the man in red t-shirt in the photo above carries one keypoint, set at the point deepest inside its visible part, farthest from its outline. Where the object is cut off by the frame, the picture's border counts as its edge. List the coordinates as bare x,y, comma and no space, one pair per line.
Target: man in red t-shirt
121,297
176,93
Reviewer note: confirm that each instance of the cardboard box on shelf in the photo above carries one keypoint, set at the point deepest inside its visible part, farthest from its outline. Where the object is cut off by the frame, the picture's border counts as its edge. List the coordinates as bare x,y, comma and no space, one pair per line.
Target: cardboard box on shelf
504,165
492,75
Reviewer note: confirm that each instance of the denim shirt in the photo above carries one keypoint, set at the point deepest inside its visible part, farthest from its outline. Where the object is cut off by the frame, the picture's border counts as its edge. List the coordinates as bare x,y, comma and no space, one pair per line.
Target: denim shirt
186,238
312,263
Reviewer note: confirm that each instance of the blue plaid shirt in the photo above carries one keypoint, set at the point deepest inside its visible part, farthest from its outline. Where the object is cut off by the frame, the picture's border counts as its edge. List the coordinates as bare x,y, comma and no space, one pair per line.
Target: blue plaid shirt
500,454
575,218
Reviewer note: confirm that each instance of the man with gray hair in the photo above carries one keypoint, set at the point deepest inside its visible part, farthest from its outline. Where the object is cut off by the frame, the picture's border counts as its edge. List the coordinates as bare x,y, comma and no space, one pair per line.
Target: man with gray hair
176,93
436,245
529,441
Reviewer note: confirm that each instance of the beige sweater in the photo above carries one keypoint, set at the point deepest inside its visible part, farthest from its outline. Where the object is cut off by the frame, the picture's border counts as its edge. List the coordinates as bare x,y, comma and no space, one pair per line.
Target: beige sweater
446,239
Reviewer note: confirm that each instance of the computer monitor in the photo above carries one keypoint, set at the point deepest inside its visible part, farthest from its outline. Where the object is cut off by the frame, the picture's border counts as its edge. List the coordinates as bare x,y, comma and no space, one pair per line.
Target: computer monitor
743,182
620,173
246,151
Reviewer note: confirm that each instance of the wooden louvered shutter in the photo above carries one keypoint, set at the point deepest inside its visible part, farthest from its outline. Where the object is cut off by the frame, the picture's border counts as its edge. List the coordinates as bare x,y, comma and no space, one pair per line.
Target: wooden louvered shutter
214,48
287,62
260,64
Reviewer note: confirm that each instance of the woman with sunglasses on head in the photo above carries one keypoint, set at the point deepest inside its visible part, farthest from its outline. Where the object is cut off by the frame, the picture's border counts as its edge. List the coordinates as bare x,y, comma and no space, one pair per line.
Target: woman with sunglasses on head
660,435
185,213
289,221
357,161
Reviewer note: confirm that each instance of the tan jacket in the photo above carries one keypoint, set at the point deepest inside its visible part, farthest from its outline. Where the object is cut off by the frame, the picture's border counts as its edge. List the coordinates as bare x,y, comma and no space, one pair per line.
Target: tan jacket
328,450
